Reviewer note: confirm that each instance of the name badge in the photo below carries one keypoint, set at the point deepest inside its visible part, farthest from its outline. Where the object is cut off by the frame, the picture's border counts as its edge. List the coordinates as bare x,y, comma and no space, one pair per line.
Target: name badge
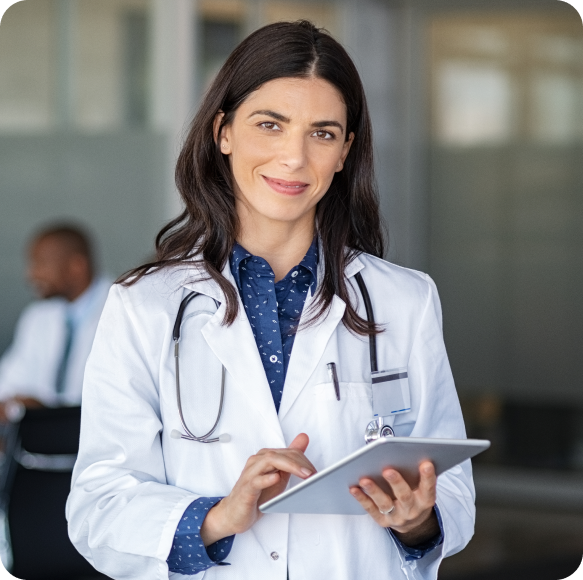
390,392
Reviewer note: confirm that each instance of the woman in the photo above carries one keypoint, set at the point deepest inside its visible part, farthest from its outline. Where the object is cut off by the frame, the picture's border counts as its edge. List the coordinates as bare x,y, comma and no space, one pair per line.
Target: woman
281,218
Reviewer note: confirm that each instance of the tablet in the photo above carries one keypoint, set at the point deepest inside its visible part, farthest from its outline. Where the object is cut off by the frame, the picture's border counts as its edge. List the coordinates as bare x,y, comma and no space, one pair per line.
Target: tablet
327,492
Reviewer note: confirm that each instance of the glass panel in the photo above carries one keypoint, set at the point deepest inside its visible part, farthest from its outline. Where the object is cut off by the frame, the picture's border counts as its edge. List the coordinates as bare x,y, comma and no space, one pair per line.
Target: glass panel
110,38
224,23
555,116
506,225
27,67
219,38
77,64
501,78
474,103
135,86
320,13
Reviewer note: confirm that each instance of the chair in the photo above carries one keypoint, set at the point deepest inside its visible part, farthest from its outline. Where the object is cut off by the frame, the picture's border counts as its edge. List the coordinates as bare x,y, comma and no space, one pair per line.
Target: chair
40,452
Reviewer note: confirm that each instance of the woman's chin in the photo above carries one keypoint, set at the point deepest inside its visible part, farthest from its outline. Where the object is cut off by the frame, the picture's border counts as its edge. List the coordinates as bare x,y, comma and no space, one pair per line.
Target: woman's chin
282,211
287,216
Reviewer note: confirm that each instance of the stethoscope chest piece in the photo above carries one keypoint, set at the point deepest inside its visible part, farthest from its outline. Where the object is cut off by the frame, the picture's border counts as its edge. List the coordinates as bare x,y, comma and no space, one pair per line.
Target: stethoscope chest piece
377,429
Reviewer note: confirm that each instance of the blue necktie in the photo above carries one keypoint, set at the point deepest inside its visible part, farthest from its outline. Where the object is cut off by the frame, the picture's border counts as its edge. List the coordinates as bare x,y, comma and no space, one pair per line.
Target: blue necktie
62,369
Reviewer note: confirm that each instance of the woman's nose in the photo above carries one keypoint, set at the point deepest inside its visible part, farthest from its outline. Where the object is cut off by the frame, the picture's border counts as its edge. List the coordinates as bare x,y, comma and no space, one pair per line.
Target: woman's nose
293,152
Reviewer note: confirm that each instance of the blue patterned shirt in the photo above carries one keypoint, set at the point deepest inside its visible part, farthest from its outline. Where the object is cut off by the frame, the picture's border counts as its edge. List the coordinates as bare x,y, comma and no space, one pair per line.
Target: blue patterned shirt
188,555
273,309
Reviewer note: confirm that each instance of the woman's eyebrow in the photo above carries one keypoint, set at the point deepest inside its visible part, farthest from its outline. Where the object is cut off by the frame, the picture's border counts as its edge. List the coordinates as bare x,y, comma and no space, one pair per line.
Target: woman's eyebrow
283,119
321,124
269,113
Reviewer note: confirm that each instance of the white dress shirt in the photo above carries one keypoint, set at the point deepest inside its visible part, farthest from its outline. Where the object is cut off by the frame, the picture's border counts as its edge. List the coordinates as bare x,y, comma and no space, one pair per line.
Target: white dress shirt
30,365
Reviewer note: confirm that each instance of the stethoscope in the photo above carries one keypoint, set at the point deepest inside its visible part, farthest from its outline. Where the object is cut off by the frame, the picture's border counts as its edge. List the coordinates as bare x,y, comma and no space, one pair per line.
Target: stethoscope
175,434
374,430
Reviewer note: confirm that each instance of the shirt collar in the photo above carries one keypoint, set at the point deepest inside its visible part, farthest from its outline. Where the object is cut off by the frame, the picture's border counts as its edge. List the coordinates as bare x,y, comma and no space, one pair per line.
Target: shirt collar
240,255
310,260
81,306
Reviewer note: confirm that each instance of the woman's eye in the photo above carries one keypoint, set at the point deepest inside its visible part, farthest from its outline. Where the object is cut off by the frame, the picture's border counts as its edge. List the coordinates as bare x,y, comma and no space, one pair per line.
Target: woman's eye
324,135
270,126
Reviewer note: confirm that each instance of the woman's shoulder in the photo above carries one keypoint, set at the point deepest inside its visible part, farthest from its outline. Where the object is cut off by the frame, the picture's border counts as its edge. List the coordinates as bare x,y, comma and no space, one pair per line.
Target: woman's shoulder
413,291
157,287
382,271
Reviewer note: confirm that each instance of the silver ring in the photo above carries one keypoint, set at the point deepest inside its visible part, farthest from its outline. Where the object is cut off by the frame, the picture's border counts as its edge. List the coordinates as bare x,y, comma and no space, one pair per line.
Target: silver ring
387,512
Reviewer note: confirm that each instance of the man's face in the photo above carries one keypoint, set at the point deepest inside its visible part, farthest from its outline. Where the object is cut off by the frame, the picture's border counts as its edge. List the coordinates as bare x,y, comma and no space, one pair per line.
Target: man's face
49,267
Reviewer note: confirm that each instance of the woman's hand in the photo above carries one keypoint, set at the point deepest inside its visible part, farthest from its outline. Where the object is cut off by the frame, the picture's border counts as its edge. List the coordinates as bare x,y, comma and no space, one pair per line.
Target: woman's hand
413,517
265,475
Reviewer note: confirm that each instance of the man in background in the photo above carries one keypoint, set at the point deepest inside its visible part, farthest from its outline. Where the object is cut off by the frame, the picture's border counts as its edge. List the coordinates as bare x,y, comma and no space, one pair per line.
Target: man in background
44,366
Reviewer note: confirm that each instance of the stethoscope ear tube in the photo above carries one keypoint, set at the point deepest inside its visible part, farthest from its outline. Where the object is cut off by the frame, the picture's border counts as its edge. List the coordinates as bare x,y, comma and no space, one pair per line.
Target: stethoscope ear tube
372,340
178,322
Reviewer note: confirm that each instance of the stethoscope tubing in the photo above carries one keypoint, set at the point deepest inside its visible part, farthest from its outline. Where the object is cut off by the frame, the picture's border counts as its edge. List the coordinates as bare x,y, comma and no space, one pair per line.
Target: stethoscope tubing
372,339
176,338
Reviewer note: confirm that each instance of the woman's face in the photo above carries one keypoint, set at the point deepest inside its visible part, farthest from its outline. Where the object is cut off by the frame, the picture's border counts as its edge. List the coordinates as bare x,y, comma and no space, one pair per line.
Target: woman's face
285,143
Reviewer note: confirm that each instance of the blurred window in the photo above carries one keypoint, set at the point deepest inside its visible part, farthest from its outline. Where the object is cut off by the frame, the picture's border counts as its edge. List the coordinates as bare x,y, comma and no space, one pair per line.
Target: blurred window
224,23
109,69
136,67
75,64
506,225
474,103
322,13
221,28
219,38
555,103
27,62
497,79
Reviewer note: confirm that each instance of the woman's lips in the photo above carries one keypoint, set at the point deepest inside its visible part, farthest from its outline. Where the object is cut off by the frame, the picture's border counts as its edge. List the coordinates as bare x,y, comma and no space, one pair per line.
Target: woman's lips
286,187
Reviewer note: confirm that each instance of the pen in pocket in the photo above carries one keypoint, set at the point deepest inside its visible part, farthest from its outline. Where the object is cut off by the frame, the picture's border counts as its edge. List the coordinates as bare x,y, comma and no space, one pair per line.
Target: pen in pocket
334,379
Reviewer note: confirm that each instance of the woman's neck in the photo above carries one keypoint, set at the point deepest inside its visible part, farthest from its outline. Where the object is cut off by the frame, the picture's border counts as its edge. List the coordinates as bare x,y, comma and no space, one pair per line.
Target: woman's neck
282,244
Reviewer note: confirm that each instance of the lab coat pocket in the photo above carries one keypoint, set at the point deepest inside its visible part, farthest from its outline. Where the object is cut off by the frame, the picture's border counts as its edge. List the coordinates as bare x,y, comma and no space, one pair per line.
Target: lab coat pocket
324,392
340,424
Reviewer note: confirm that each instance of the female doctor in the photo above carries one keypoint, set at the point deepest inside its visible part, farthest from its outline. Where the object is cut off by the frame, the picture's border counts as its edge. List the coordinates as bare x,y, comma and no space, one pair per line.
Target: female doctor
255,291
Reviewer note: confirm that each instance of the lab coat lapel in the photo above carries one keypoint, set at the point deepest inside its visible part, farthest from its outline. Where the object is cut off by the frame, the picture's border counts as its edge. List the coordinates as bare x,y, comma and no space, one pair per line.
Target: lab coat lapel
310,343
236,348
307,351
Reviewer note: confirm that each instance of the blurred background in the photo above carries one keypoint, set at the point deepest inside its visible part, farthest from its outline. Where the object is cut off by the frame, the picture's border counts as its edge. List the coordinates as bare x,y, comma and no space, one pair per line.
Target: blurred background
477,109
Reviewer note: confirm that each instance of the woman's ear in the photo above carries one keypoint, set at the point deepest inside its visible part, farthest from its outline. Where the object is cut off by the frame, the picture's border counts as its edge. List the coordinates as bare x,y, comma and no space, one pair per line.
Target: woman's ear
345,151
220,138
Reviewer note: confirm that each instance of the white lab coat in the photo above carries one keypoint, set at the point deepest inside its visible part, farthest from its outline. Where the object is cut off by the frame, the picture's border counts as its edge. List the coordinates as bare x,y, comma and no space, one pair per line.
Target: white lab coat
132,481
29,366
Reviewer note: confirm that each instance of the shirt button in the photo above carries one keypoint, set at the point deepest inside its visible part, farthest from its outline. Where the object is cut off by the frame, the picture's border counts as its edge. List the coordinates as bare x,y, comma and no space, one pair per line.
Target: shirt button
273,359
294,274
274,556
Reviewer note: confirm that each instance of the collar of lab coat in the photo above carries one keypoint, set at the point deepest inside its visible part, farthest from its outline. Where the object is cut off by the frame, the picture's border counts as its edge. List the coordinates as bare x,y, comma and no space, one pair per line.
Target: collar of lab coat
311,341
195,277
235,345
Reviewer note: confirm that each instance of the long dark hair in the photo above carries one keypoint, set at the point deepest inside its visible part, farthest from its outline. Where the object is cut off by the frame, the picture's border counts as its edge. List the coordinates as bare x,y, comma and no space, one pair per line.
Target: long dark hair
348,217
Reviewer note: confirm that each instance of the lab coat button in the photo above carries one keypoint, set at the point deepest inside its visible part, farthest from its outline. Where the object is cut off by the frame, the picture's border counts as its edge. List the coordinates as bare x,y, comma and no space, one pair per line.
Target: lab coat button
274,556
